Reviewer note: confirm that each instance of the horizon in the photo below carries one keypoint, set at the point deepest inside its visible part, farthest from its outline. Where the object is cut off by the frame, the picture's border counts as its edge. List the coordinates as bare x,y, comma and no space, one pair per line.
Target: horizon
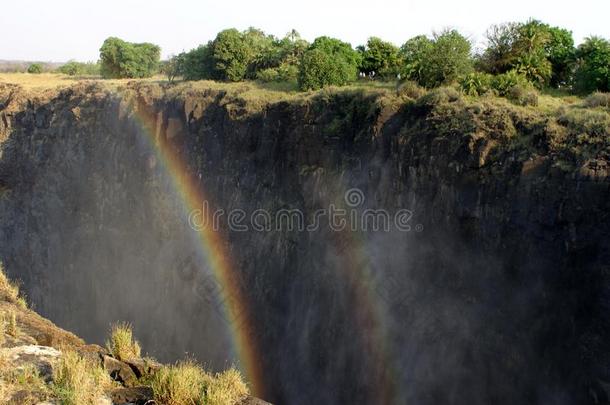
190,25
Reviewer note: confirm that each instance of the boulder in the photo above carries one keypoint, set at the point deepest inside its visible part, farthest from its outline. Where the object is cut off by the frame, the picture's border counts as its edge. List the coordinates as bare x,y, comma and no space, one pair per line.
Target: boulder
119,371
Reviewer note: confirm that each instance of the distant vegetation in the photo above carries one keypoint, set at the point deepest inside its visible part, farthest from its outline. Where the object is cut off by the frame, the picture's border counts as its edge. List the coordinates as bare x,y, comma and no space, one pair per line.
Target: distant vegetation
531,55
520,59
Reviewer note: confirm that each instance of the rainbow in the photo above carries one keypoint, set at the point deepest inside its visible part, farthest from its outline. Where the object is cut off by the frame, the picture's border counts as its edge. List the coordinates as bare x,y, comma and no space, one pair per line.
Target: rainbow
210,242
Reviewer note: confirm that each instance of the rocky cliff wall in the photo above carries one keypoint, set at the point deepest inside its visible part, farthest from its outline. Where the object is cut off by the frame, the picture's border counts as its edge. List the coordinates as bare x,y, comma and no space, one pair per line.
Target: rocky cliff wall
496,290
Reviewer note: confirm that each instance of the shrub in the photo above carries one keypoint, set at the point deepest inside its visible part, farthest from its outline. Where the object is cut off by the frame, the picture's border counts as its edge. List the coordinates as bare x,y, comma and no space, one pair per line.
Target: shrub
440,95
328,62
503,83
476,84
523,95
268,75
78,381
438,61
73,68
121,344
121,59
598,99
410,89
35,68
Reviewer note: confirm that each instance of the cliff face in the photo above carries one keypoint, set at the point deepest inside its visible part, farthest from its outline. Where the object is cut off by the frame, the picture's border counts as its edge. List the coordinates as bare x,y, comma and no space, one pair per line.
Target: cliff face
496,291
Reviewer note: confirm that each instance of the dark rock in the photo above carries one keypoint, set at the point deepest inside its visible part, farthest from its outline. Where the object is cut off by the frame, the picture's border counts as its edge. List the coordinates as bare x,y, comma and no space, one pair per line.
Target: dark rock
119,371
133,395
142,367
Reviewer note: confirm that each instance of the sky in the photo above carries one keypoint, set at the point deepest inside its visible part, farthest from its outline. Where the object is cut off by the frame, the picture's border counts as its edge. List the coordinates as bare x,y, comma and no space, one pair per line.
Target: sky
61,30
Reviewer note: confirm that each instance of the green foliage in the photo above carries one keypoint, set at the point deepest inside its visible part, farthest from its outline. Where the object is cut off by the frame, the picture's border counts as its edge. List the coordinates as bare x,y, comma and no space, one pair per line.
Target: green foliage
476,83
561,53
232,52
437,61
542,53
593,66
380,57
197,64
235,56
120,59
74,68
35,68
328,61
503,83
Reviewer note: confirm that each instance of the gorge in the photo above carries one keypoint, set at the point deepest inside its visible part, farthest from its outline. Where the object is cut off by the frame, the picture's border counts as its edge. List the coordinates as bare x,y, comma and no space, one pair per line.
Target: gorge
495,290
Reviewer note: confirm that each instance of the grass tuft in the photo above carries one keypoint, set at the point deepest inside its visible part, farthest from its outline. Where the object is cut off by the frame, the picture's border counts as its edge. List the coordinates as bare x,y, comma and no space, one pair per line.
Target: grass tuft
187,383
121,344
79,381
10,322
227,387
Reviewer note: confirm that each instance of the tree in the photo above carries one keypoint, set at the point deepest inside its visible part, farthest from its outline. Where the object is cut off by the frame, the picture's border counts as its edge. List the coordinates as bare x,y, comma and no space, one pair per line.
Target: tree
542,53
561,53
593,65
232,52
35,68
328,61
197,64
414,53
380,57
440,60
121,59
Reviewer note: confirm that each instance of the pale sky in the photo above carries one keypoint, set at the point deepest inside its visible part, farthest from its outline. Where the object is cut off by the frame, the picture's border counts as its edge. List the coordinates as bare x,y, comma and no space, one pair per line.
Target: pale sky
59,30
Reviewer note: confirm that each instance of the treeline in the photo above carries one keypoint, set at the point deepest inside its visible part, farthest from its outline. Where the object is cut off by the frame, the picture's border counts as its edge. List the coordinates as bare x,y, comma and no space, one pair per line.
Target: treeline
528,54
523,56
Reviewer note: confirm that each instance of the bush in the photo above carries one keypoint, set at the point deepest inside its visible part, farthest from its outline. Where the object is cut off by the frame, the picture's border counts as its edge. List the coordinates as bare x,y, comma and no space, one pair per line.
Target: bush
10,322
122,344
503,83
410,89
35,68
476,84
598,99
10,290
438,61
268,75
523,95
438,96
328,62
73,68
120,59
79,381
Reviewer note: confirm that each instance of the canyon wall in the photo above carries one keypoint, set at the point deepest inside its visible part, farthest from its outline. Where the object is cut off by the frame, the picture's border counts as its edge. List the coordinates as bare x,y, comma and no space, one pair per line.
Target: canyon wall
494,289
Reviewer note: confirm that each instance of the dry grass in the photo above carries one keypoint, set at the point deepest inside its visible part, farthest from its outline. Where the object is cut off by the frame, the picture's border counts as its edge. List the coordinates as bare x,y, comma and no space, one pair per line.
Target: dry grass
79,381
10,290
187,383
121,344
10,322
180,384
226,388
